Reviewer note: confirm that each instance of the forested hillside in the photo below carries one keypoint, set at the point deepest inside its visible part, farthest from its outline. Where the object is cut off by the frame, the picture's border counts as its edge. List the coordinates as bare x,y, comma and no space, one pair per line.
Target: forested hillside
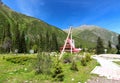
18,31
88,35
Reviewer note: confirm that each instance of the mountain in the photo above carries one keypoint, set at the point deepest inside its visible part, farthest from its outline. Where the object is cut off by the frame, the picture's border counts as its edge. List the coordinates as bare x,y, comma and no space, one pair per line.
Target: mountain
88,35
14,25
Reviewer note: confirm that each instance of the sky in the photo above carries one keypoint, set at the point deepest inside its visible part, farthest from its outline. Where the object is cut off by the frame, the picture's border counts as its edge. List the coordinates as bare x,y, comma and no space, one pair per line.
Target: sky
65,13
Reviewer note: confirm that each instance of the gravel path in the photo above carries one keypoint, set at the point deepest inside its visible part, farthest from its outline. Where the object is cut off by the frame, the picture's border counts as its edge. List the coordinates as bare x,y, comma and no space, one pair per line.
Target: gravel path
108,69
103,80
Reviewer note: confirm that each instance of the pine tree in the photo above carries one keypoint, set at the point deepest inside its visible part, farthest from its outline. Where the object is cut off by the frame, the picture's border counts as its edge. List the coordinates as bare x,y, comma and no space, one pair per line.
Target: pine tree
7,31
41,42
109,46
54,43
74,66
7,38
118,45
22,48
47,44
17,38
58,72
99,47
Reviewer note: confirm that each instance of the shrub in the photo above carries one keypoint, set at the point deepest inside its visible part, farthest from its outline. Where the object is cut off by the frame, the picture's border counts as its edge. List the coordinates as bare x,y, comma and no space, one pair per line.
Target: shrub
35,47
19,59
58,73
83,62
88,58
74,66
43,63
67,57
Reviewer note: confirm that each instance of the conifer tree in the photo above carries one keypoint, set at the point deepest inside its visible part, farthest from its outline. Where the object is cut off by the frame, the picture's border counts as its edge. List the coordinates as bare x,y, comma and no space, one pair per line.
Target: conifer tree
54,43
17,38
47,44
99,47
41,43
109,46
7,31
22,48
74,66
118,45
58,74
7,38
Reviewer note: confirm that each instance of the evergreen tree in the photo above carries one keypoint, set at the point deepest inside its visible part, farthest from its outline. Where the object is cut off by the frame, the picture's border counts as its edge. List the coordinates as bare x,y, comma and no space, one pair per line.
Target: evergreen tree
7,38
22,48
47,44
58,72
41,42
109,46
17,38
99,47
118,45
54,43
74,66
7,31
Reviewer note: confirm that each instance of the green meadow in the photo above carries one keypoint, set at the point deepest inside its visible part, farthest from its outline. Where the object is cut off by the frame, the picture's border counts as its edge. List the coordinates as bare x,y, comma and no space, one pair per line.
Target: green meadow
21,70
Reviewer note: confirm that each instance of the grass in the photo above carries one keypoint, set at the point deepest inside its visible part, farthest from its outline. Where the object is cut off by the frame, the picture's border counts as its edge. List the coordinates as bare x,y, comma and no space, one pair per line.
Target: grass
18,73
82,75
117,62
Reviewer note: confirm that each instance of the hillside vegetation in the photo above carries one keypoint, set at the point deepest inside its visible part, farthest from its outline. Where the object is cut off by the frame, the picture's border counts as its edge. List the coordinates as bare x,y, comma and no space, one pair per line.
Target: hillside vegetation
18,31
88,35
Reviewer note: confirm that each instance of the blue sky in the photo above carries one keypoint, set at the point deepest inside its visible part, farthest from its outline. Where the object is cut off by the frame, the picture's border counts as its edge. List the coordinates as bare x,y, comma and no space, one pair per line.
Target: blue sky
63,13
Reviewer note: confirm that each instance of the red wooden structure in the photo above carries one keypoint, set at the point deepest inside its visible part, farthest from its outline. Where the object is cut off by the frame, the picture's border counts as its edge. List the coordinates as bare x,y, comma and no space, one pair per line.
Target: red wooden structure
69,45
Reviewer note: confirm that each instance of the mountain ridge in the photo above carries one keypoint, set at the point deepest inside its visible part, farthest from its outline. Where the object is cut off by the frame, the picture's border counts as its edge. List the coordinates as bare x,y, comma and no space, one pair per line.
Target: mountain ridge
90,33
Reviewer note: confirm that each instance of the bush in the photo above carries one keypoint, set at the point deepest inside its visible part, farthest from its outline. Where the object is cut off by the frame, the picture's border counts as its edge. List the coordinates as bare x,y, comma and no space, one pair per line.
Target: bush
67,57
35,48
83,62
88,58
58,73
19,59
43,63
74,66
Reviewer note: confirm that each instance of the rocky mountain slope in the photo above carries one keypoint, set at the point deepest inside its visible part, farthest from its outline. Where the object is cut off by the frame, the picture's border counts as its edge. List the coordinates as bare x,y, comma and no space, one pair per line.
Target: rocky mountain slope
88,34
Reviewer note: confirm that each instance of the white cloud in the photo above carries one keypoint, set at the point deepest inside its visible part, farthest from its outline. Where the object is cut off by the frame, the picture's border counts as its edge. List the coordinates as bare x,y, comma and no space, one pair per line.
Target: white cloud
31,7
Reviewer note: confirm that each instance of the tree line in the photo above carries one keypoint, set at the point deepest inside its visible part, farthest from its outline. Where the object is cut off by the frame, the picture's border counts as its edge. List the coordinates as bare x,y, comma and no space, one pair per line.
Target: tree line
100,48
17,40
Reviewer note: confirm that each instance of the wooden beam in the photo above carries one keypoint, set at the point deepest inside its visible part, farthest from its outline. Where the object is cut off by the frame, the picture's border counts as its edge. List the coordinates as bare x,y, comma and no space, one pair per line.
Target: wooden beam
62,52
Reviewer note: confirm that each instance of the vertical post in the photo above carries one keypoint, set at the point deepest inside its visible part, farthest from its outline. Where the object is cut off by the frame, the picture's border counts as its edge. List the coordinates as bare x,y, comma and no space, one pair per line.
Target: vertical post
65,44
71,40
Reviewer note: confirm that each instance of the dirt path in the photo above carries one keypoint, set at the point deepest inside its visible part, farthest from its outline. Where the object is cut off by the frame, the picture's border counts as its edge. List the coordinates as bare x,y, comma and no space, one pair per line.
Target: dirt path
103,80
108,69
